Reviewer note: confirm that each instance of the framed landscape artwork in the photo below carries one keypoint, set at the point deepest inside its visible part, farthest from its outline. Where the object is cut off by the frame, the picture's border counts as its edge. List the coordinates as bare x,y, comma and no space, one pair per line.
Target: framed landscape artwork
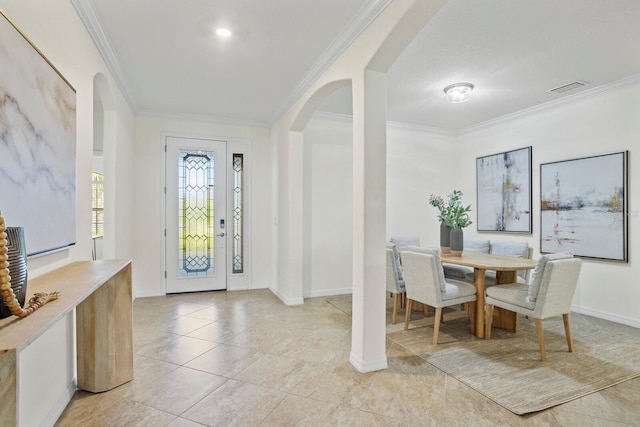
504,191
583,207
37,144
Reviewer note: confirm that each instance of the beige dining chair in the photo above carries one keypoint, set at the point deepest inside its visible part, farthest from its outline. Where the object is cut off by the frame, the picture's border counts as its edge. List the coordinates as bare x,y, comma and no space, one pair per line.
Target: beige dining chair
395,281
425,283
548,294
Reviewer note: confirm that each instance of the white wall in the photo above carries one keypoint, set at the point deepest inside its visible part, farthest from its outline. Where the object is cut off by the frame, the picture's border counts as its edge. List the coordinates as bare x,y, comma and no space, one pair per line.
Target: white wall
54,27
419,162
328,207
148,211
595,125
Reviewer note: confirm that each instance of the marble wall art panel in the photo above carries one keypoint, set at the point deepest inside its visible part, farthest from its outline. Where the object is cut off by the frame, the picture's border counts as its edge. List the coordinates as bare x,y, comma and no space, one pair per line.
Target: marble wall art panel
583,207
37,144
504,191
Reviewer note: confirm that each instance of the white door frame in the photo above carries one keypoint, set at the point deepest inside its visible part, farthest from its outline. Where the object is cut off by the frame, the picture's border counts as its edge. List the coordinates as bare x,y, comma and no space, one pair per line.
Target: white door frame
237,281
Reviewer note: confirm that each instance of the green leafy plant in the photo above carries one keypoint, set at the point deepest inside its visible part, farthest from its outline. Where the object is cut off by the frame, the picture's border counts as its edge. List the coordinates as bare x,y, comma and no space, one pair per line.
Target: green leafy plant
453,213
438,202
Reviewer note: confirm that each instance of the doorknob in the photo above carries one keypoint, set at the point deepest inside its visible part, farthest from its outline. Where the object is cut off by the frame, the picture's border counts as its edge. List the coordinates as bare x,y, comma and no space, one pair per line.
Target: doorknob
221,234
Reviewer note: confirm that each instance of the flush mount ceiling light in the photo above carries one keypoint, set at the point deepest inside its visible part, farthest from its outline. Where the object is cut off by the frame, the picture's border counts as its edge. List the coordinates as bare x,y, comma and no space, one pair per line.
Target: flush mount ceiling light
223,32
458,92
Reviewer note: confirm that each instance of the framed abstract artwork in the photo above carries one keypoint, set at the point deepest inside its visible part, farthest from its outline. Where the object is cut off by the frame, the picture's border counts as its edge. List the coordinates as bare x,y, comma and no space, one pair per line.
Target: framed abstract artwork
504,191
583,207
37,144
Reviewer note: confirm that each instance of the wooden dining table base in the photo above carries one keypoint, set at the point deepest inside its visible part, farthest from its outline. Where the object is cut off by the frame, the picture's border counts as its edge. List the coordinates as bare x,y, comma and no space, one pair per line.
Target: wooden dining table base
502,318
506,269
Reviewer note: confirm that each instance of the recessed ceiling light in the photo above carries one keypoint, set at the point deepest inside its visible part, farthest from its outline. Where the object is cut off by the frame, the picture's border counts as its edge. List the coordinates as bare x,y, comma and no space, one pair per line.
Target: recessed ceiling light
223,32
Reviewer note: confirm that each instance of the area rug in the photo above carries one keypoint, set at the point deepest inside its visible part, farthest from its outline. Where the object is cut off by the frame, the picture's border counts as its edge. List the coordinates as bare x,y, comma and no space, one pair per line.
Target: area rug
507,369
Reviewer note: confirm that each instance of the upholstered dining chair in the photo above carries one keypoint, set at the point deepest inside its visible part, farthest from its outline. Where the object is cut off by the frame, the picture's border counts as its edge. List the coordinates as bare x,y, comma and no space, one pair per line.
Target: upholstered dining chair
395,281
425,283
548,294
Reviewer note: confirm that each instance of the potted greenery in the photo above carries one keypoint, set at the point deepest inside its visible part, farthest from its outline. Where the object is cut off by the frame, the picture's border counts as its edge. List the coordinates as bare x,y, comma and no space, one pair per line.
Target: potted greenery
445,226
453,217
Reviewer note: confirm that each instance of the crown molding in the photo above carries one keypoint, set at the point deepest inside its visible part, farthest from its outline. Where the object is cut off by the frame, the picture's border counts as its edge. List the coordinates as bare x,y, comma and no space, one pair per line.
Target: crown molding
204,118
365,15
92,23
589,93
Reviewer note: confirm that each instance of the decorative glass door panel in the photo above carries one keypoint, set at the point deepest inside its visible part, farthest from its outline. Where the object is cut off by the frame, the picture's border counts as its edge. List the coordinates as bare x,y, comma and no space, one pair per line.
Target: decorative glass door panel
195,211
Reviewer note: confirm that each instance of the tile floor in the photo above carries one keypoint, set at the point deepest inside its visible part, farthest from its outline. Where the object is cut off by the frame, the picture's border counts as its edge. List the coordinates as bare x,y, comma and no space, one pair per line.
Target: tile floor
244,358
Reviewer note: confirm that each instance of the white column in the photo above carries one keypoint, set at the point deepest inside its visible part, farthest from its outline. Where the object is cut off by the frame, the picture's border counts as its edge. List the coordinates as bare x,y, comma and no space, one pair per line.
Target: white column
290,221
369,221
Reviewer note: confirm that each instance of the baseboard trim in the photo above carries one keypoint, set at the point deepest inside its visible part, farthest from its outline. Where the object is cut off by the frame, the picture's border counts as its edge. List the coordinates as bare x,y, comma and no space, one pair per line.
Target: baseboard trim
148,294
61,404
629,321
286,300
327,292
368,366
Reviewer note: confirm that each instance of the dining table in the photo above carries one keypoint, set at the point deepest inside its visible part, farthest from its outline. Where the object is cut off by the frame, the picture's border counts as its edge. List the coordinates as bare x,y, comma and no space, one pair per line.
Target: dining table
506,269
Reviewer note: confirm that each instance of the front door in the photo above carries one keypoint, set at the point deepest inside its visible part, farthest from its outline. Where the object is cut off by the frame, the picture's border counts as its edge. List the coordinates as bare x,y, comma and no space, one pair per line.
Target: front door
195,215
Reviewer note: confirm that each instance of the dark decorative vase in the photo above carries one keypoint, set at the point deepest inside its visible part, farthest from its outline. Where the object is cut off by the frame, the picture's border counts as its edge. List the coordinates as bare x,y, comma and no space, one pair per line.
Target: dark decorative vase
17,253
445,238
457,241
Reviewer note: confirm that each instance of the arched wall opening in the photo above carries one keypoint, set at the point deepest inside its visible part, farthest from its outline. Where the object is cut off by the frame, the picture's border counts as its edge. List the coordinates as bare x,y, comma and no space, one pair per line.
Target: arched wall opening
328,201
325,244
365,64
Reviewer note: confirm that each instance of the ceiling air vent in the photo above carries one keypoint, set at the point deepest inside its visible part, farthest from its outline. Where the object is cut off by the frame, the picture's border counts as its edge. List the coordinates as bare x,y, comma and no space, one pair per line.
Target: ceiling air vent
566,88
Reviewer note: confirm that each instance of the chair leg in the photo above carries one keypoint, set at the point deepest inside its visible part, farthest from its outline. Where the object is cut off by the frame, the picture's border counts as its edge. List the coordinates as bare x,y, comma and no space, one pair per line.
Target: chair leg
567,331
471,308
488,321
396,297
407,315
436,325
540,333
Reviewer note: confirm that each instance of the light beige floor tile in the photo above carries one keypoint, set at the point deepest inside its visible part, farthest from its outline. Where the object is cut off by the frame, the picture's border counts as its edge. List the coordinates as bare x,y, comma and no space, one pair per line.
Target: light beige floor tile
464,406
182,307
218,311
146,369
235,404
176,391
341,384
183,325
620,403
183,422
220,331
410,390
290,366
271,371
110,409
178,350
300,411
225,360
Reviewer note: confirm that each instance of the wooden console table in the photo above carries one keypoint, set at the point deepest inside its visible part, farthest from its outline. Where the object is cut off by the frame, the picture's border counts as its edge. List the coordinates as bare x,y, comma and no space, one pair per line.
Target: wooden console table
101,294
